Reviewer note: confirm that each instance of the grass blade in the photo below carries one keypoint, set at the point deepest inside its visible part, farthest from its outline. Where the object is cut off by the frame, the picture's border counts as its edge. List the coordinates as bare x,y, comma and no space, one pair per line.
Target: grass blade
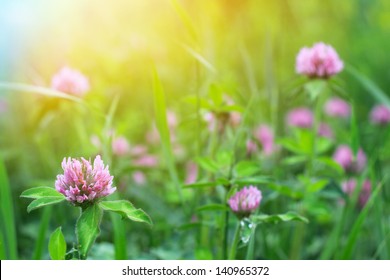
162,126
39,90
352,238
370,86
185,19
7,216
40,242
200,58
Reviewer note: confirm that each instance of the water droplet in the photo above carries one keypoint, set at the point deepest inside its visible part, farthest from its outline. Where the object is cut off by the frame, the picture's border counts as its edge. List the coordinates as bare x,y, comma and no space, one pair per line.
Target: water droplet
246,230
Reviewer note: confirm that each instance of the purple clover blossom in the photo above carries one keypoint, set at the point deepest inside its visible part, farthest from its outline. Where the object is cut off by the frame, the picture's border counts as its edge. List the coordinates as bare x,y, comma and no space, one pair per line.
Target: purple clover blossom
337,107
70,81
319,61
380,114
345,158
350,185
245,201
83,183
300,117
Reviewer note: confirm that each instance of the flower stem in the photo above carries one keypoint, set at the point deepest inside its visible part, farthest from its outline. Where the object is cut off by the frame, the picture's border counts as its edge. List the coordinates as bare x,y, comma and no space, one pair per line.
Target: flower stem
236,240
251,245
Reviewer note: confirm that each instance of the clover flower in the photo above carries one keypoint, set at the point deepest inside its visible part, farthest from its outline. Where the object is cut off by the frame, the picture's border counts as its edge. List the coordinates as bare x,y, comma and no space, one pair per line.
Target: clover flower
265,136
380,114
70,81
120,146
245,201
349,187
300,117
325,131
320,61
345,158
83,183
337,107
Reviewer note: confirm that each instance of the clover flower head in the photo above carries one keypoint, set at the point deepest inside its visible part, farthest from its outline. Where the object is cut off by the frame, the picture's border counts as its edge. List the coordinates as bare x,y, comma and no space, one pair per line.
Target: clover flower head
319,61
70,81
84,183
346,159
245,201
325,131
300,117
380,114
337,107
350,185
265,136
120,146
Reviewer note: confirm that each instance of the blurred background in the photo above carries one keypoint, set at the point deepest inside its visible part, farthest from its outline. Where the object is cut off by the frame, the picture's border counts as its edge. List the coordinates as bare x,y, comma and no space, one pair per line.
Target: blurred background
247,47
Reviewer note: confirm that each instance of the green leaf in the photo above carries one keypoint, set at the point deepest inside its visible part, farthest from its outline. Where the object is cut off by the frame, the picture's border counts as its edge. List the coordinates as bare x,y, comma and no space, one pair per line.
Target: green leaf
126,210
294,160
323,145
207,164
43,201
200,185
317,186
57,245
258,180
287,217
290,145
285,190
39,192
216,95
329,162
88,228
246,168
212,207
315,88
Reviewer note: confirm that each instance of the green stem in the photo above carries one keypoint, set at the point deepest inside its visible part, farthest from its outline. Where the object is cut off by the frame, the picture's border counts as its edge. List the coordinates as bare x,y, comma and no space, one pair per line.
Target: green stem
236,240
251,245
225,235
40,242
297,241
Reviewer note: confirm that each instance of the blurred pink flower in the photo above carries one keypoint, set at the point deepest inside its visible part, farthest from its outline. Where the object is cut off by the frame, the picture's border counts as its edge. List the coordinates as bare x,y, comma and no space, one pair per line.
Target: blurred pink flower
320,61
265,136
138,150
344,156
95,140
83,183
234,119
191,173
152,136
300,117
251,147
245,201
210,120
120,146
337,107
324,130
146,161
70,81
380,114
171,119
349,187
139,177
